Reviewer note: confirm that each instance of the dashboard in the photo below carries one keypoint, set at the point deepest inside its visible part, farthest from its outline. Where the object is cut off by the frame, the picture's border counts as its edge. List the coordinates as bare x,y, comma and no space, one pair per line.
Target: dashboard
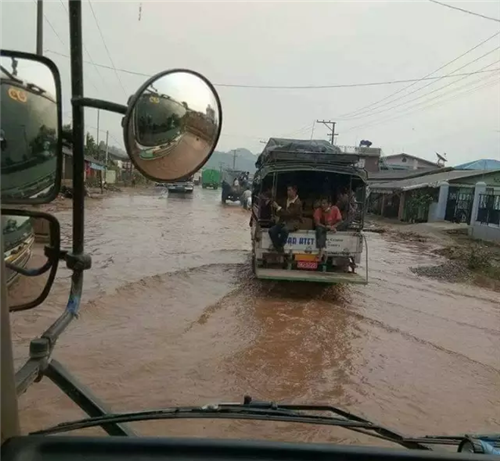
65,448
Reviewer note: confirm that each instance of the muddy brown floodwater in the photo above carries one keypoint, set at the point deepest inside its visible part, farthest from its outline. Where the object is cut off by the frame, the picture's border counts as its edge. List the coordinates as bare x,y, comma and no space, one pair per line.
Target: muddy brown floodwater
172,316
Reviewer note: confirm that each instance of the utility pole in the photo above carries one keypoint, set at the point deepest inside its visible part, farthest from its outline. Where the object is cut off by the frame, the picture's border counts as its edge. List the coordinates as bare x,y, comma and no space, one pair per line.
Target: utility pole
331,126
39,27
104,173
234,159
97,137
106,157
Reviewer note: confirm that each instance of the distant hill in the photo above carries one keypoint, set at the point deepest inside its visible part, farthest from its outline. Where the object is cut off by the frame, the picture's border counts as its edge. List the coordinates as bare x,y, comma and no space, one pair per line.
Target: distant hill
245,160
114,151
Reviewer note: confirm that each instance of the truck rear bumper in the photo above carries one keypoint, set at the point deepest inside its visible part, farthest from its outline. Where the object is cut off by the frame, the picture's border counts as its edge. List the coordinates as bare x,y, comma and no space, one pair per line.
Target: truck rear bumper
310,276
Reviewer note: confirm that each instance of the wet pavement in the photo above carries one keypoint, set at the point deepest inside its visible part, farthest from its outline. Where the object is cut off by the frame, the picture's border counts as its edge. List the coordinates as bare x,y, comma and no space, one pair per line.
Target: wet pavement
172,316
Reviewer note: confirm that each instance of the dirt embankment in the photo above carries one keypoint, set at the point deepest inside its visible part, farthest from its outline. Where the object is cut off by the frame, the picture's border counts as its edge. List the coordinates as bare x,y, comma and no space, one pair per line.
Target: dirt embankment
467,260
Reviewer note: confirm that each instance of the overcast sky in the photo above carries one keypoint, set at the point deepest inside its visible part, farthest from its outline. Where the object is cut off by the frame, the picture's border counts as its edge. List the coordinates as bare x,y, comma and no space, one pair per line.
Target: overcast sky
32,72
265,43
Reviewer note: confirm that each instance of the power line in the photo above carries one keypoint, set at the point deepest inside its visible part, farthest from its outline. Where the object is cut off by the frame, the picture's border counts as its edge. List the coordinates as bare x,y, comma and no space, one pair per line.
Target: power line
378,111
53,30
59,37
107,50
423,105
465,11
52,27
345,85
298,131
86,51
415,108
104,66
304,87
229,135
348,114
431,92
105,131
312,129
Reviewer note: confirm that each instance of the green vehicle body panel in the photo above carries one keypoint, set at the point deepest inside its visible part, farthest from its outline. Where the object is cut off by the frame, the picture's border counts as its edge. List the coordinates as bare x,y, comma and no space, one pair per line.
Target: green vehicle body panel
210,178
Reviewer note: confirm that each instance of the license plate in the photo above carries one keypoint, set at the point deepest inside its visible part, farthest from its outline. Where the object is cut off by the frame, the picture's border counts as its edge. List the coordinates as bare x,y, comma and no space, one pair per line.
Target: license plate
305,257
307,265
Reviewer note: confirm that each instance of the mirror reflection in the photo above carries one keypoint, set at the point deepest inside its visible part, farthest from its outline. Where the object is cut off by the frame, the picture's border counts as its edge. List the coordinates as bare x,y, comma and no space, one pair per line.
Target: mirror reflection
173,126
29,130
24,239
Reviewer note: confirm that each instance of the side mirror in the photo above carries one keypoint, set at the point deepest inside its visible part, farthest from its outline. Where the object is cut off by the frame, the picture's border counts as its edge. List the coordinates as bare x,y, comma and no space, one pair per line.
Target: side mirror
31,127
172,125
31,254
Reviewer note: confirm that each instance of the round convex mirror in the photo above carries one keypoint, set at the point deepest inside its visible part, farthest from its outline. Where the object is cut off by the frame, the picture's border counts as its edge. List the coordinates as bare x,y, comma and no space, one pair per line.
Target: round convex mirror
172,125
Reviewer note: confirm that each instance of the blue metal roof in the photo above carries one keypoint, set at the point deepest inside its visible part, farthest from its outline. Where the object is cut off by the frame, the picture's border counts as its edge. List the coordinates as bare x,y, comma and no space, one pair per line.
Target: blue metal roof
483,164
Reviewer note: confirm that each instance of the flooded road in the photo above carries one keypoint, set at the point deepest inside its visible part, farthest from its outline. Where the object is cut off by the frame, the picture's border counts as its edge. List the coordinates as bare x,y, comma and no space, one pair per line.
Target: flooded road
172,316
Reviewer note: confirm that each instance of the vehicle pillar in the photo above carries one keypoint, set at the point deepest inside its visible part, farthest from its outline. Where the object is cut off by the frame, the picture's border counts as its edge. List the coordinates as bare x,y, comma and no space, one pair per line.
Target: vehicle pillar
9,410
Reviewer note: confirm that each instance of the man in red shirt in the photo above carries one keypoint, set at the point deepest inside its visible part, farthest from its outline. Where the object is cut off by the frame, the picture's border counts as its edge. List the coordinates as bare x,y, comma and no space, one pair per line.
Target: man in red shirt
326,219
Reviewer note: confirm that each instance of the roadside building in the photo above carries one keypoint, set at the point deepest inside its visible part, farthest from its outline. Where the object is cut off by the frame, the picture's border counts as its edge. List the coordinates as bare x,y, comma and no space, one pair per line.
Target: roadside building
485,216
482,164
93,167
439,195
369,157
405,161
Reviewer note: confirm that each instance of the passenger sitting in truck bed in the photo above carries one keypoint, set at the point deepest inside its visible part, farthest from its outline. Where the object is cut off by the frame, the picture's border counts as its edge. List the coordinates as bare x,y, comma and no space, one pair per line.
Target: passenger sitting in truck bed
347,206
326,219
265,209
264,206
289,219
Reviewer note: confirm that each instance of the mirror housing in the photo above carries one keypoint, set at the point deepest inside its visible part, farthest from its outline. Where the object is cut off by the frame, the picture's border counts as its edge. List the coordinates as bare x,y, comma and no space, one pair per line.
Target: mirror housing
172,125
31,128
32,249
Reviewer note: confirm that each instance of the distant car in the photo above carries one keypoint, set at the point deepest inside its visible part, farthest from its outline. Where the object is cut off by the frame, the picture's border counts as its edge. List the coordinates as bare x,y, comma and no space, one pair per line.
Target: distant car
186,185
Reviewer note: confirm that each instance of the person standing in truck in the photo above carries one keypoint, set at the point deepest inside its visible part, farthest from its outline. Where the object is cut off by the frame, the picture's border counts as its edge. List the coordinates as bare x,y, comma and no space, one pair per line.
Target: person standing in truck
347,205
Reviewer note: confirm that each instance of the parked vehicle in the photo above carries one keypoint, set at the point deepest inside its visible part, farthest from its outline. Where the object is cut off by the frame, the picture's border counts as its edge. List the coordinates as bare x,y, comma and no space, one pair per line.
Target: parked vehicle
19,238
318,169
210,178
185,185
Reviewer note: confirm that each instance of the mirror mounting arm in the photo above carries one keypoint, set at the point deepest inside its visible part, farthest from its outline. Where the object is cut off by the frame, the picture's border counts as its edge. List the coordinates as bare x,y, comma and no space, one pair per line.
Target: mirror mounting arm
100,104
54,254
78,263
30,272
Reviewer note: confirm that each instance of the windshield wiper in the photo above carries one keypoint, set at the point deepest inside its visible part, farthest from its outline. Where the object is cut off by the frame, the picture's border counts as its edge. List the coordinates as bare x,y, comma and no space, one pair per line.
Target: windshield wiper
250,410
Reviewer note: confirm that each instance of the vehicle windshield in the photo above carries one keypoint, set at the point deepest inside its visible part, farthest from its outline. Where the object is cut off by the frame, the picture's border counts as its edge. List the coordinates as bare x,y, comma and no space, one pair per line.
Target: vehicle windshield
28,130
15,230
363,271
153,127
